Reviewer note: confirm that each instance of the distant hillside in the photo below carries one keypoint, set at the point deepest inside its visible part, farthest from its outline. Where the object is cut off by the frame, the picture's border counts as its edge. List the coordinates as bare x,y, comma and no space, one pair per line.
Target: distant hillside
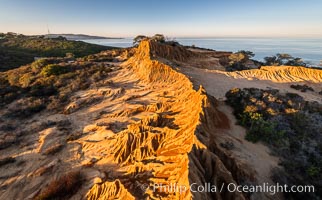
77,36
17,50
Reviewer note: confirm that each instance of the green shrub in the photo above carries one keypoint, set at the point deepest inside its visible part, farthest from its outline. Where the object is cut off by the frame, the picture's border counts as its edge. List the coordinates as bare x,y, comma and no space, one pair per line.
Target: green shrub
13,79
38,64
53,69
70,55
26,107
260,129
313,171
42,90
49,86
26,79
299,123
248,118
291,126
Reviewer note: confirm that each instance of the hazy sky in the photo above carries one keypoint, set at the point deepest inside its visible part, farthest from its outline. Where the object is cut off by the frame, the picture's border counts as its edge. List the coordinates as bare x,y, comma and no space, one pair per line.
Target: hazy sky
173,18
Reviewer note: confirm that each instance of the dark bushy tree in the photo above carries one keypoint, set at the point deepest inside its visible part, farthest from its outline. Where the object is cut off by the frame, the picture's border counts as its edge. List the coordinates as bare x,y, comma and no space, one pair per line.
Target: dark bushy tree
236,59
239,60
248,54
138,39
271,61
158,38
284,59
296,62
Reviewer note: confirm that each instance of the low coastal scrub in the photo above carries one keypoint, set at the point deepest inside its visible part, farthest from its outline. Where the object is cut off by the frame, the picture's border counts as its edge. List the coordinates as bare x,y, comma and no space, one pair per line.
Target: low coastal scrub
302,88
260,129
284,59
47,83
288,124
243,60
17,50
53,70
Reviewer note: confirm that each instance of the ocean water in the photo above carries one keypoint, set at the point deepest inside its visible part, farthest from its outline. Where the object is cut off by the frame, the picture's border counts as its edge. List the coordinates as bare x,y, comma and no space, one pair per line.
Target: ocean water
309,49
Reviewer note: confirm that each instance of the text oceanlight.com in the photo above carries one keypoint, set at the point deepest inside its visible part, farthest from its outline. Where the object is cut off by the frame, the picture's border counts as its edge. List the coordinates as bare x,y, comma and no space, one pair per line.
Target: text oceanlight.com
230,187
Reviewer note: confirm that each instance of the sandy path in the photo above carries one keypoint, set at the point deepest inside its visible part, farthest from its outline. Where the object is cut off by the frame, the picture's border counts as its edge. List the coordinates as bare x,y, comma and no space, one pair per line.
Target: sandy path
217,84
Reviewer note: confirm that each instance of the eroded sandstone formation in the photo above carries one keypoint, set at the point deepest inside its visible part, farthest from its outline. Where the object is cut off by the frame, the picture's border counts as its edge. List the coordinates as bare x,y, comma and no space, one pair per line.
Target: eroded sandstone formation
281,74
143,125
172,145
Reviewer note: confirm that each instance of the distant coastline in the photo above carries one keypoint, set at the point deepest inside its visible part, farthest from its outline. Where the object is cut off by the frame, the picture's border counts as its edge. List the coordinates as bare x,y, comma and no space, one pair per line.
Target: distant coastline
309,49
69,36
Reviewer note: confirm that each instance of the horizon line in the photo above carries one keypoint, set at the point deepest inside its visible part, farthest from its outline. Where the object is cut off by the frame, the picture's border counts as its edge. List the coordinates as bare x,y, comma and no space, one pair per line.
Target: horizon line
183,36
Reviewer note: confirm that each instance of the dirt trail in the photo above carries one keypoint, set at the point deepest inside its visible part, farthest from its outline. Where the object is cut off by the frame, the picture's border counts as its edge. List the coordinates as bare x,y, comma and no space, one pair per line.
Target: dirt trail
258,156
217,83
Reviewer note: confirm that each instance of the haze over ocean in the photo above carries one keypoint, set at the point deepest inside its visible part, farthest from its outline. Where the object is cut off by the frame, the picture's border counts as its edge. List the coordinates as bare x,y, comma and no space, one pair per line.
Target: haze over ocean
309,49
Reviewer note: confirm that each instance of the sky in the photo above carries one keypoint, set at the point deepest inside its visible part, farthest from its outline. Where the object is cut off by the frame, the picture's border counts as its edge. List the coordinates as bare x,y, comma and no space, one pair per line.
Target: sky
173,18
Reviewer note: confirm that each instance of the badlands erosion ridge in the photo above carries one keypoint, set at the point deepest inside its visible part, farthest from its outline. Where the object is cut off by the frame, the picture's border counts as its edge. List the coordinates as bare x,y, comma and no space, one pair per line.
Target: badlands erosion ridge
120,123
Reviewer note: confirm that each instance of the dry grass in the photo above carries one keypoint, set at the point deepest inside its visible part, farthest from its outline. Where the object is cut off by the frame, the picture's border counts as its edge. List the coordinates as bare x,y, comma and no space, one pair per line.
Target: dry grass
48,87
74,136
43,170
63,187
53,149
7,160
